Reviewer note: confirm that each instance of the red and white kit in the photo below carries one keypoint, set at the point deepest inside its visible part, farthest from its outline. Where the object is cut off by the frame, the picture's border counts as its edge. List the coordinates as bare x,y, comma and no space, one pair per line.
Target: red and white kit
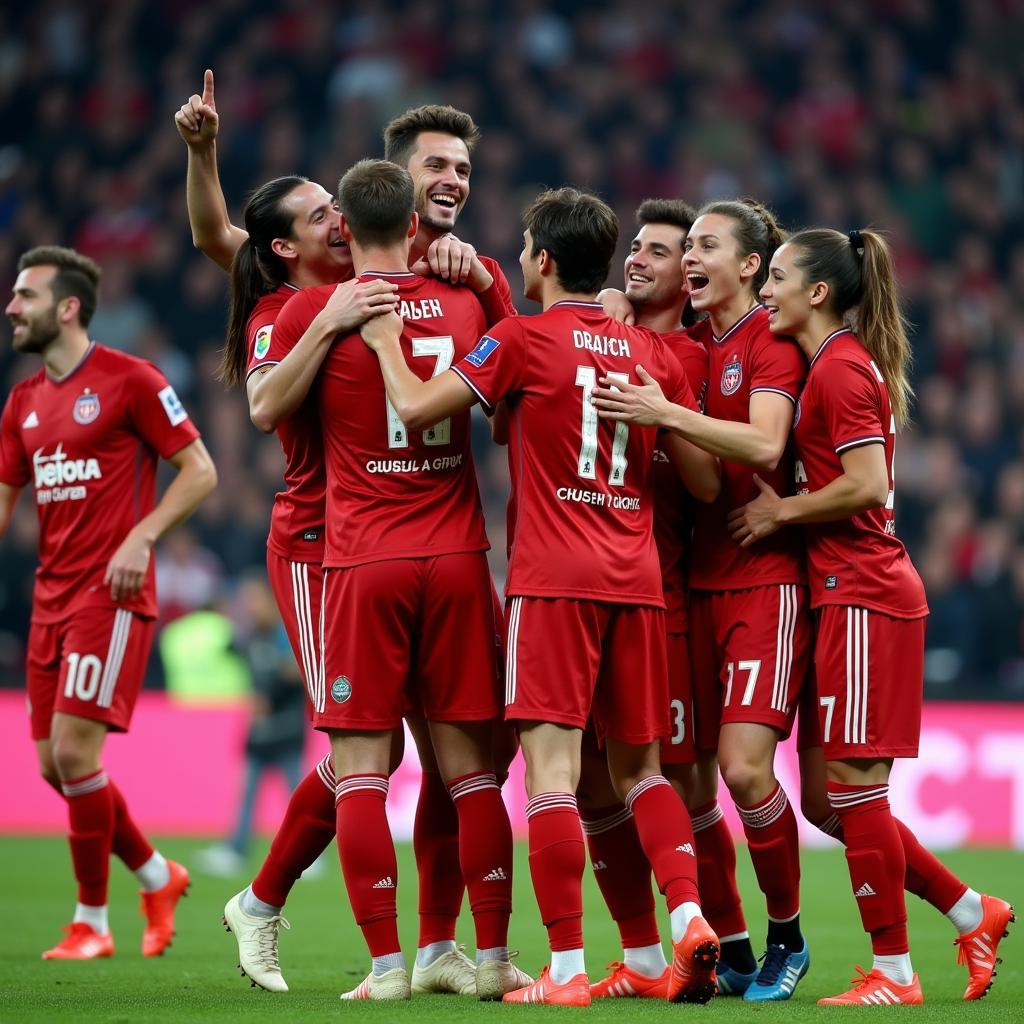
870,601
295,547
583,556
748,606
673,523
89,444
404,562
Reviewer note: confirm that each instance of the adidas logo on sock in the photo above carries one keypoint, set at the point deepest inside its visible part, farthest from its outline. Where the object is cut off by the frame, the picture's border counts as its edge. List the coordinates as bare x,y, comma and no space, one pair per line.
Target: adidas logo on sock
686,848
865,890
497,875
387,882
599,865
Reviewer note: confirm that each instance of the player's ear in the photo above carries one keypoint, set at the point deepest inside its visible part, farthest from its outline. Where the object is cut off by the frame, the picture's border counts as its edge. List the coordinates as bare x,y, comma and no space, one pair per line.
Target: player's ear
283,247
346,231
68,309
750,266
545,263
414,225
819,294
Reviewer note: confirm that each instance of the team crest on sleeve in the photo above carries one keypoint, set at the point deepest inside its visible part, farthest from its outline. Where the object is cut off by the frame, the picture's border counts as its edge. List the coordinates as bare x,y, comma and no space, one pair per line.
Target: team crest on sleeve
341,689
732,377
172,405
262,344
87,407
485,348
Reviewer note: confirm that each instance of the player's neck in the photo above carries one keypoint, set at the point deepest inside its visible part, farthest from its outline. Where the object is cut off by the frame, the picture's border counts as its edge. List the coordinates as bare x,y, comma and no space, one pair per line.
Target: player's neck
62,355
384,259
661,320
551,292
814,333
731,312
425,238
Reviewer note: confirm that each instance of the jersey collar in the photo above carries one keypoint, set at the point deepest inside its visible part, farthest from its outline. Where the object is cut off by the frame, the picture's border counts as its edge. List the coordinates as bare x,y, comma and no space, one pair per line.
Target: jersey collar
834,334
742,320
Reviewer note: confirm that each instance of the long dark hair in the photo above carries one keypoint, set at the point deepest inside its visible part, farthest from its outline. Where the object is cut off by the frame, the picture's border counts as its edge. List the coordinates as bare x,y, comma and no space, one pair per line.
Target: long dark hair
256,269
756,231
859,270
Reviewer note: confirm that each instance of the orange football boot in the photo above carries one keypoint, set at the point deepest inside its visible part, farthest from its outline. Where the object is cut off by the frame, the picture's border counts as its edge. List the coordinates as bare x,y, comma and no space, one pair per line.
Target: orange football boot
574,992
625,983
875,989
694,957
158,909
82,942
977,949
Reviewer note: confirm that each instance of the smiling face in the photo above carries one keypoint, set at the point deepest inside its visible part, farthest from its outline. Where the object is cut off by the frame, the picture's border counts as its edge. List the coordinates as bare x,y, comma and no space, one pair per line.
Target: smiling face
715,269
32,310
440,169
789,299
653,271
315,240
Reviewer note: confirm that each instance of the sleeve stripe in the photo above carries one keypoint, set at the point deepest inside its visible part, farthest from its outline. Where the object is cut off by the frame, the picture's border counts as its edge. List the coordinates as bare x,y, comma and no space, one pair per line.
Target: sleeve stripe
259,366
775,391
858,442
479,394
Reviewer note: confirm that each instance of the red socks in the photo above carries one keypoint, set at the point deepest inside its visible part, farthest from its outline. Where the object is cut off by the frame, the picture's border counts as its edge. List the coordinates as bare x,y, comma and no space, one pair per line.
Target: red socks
485,855
770,828
308,827
367,855
622,873
129,844
557,862
716,866
91,820
663,826
435,842
874,854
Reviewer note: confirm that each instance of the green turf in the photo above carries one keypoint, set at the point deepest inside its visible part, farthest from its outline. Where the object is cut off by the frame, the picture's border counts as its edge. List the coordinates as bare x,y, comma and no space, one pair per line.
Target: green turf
323,953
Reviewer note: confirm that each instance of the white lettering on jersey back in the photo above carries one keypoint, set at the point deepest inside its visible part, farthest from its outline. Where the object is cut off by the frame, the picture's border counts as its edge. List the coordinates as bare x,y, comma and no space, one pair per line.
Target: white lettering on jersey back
420,309
603,344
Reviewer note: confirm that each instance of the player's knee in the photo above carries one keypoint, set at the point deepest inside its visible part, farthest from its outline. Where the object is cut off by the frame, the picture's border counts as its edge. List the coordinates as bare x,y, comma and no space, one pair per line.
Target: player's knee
815,808
72,758
748,781
50,776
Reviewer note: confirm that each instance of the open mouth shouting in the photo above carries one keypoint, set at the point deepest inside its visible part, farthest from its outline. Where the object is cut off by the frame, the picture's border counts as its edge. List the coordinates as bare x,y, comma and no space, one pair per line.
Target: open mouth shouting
697,282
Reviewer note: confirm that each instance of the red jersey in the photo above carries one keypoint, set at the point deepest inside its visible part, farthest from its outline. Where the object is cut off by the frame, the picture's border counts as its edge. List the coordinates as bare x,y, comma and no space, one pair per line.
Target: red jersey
297,520
747,359
582,518
90,442
857,561
393,492
673,504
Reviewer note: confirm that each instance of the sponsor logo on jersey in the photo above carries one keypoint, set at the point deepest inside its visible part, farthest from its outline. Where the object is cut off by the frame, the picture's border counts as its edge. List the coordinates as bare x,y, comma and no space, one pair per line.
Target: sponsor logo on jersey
486,347
87,407
341,689
796,415
31,420
311,535
172,405
59,478
732,377
831,582
262,344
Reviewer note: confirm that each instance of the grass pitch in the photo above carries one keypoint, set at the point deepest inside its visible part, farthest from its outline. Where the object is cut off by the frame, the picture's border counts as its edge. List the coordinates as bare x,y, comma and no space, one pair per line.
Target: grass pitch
323,954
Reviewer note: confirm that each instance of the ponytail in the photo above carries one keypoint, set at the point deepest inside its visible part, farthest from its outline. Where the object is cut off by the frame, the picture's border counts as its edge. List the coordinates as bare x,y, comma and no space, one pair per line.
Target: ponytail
256,270
859,271
756,231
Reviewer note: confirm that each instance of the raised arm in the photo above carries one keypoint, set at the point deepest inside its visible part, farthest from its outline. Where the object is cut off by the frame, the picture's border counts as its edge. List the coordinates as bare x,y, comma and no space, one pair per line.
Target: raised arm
196,477
212,231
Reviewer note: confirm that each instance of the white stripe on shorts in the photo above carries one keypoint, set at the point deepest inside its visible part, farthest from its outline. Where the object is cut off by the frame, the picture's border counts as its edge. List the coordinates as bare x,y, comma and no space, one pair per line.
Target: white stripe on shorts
856,721
115,655
311,664
512,652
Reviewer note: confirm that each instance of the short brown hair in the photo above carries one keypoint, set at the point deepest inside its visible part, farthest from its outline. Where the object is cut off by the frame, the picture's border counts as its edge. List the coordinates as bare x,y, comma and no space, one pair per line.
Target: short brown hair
77,276
377,200
401,133
667,211
579,231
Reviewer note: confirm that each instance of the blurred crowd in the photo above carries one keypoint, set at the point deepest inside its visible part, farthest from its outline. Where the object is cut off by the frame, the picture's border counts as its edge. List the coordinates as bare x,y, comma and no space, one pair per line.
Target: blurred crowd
903,114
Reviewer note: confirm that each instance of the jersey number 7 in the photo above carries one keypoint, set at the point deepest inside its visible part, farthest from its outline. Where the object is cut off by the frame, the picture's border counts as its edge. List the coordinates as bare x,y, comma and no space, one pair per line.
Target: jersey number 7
443,349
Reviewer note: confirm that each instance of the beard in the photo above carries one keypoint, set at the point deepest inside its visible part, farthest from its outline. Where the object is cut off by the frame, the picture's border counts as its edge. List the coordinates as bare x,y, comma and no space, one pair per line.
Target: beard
42,332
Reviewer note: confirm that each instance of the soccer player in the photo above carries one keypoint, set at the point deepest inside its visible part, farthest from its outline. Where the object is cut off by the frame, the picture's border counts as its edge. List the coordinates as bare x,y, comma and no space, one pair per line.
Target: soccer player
585,608
405,566
656,291
870,603
87,432
293,242
748,609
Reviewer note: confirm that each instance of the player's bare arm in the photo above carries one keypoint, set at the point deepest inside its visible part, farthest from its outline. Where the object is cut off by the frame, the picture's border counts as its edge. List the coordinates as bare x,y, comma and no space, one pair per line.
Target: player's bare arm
8,497
759,443
617,306
699,470
419,403
213,233
864,485
275,392
196,477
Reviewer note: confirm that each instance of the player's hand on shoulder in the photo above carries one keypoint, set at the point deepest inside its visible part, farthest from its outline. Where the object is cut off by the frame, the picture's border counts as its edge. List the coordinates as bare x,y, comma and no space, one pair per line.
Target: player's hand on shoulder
126,570
354,302
451,259
382,330
197,121
644,403
617,306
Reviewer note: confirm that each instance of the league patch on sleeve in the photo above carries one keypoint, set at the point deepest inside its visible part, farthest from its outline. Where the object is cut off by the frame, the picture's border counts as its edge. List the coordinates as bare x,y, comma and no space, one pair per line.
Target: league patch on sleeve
172,406
261,345
485,348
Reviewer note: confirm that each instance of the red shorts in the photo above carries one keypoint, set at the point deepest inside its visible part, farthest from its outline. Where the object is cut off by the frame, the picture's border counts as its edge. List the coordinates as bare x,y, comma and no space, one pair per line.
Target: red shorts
679,746
870,672
91,665
298,589
568,660
426,619
749,653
